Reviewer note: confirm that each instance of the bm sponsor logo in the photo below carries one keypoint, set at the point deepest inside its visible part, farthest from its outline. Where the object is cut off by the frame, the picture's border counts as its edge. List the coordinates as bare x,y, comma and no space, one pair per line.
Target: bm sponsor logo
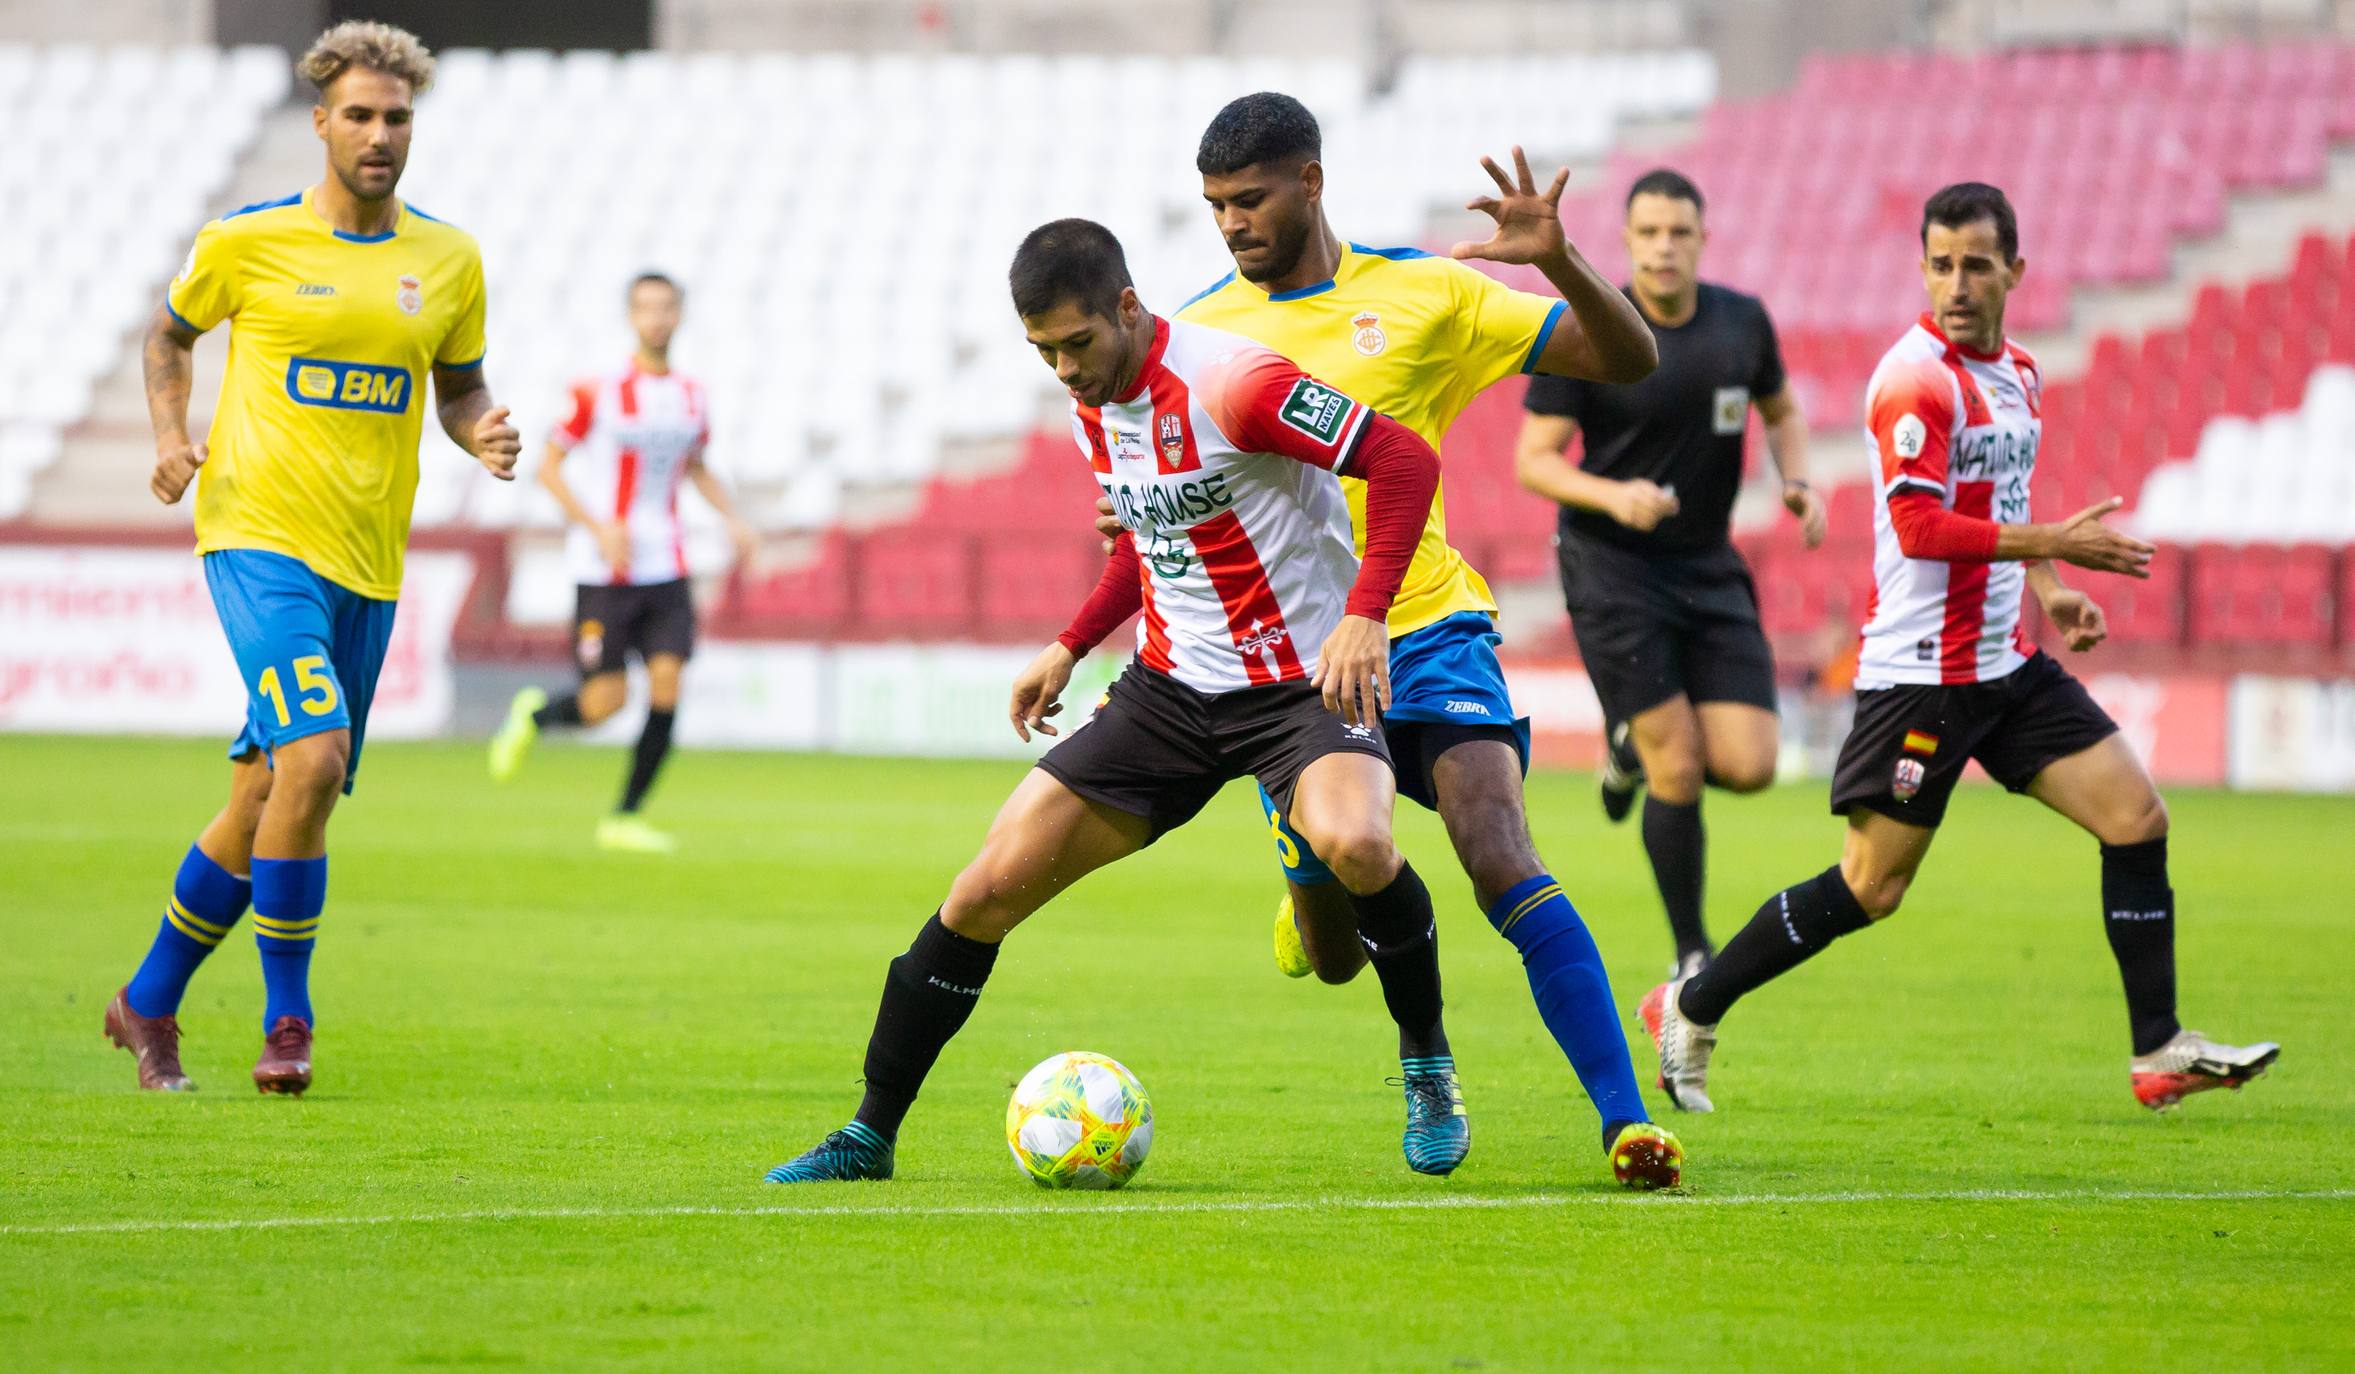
348,386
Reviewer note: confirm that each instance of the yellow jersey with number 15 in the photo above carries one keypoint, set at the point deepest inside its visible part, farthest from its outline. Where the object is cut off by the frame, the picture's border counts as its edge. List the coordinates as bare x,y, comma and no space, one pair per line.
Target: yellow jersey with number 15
1416,337
313,451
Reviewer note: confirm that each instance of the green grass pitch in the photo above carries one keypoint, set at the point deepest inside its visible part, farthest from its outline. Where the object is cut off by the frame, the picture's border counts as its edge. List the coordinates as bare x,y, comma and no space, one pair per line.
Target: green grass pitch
549,1081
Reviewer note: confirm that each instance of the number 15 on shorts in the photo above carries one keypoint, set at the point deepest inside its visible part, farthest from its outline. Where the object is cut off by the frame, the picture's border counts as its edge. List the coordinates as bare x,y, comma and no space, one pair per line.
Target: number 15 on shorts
313,685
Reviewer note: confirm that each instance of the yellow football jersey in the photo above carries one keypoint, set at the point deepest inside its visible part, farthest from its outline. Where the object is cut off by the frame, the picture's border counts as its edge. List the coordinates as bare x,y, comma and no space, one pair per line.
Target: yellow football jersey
1416,337
313,451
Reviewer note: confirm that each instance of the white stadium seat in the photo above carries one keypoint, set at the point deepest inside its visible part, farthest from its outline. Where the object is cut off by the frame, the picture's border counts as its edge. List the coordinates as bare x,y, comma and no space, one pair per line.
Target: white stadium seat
844,253
2288,478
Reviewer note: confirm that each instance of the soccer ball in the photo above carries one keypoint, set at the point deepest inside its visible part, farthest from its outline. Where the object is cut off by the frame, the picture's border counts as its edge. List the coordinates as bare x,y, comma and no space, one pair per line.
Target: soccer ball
1079,1120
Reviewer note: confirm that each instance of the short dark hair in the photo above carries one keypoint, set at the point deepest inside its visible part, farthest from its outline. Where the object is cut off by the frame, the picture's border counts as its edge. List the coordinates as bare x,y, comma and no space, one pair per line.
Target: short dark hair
1069,259
1666,181
655,279
1968,202
1262,127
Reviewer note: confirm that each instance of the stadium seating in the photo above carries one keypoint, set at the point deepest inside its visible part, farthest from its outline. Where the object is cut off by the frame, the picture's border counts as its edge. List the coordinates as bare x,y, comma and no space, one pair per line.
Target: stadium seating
847,294
112,158
2112,155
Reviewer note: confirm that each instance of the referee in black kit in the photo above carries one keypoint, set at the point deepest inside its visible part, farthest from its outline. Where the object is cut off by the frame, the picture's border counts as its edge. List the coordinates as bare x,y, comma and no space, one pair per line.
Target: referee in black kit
1663,606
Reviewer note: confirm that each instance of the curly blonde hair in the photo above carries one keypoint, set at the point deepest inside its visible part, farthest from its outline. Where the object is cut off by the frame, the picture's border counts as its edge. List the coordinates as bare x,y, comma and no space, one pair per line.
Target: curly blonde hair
362,43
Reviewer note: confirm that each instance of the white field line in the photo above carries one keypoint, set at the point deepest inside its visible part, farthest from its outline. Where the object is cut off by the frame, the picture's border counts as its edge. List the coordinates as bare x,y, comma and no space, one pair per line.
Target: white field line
1180,1207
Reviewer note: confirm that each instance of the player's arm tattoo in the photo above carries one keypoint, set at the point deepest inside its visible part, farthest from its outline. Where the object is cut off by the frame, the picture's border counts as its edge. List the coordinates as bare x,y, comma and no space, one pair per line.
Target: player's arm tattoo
167,363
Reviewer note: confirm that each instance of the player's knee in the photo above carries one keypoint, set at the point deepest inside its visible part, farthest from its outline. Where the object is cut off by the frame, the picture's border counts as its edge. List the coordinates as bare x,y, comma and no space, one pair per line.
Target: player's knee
312,770
1676,777
600,697
1360,852
1880,894
1744,774
2139,822
992,896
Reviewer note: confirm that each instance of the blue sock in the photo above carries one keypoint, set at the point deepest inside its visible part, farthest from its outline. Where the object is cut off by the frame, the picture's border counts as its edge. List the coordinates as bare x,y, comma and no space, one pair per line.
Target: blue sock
287,897
206,901
1573,994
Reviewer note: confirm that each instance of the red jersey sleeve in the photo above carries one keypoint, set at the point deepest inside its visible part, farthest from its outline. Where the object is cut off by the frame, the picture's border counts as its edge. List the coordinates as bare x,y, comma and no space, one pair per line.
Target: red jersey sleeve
1264,404
582,413
1912,421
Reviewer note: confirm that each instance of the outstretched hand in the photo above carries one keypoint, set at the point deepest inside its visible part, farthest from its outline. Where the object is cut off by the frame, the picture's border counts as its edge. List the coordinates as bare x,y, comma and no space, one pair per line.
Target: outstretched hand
2084,541
1528,222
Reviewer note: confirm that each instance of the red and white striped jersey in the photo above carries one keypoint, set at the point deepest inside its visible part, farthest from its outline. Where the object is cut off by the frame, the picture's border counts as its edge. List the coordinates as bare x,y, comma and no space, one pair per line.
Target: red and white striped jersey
1963,427
627,442
1221,462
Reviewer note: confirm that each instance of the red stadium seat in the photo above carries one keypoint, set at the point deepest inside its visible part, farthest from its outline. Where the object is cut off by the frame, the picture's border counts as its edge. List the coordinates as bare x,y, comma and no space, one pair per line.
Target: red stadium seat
2149,612
812,599
913,582
1031,587
2262,595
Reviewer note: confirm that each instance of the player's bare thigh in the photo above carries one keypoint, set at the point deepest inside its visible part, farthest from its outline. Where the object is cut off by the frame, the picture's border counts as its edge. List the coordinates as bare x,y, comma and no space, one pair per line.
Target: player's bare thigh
1668,740
1879,859
2106,790
1341,805
1728,744
602,694
1739,741
1045,838
309,777
662,680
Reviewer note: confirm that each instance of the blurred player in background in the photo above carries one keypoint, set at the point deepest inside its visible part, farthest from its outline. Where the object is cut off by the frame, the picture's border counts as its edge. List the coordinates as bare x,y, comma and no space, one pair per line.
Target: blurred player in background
342,299
615,465
1417,337
1262,653
1663,606
1948,676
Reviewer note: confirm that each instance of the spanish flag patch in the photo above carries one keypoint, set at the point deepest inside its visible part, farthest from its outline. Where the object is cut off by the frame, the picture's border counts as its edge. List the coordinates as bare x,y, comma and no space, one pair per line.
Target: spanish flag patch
1920,742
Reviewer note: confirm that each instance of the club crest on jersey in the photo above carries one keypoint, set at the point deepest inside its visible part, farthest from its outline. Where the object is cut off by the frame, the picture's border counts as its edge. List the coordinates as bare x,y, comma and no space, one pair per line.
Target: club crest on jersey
1907,780
1367,336
411,296
1172,431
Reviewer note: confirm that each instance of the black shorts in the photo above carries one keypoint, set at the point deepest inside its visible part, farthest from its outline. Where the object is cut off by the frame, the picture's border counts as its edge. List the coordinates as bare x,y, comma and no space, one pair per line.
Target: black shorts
1652,627
1910,742
609,623
1157,748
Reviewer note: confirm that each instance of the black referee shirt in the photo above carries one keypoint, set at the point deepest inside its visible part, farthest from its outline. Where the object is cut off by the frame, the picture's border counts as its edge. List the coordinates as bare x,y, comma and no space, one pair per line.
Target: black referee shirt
1680,427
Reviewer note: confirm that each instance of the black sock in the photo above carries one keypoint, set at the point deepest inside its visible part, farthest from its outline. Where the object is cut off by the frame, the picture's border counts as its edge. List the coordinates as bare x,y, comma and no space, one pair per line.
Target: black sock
2140,919
1672,837
1793,926
927,995
1402,938
654,743
564,710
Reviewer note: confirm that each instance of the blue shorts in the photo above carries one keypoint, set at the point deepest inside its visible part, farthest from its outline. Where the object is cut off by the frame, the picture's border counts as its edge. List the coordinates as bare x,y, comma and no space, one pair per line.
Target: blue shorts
309,650
1446,685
